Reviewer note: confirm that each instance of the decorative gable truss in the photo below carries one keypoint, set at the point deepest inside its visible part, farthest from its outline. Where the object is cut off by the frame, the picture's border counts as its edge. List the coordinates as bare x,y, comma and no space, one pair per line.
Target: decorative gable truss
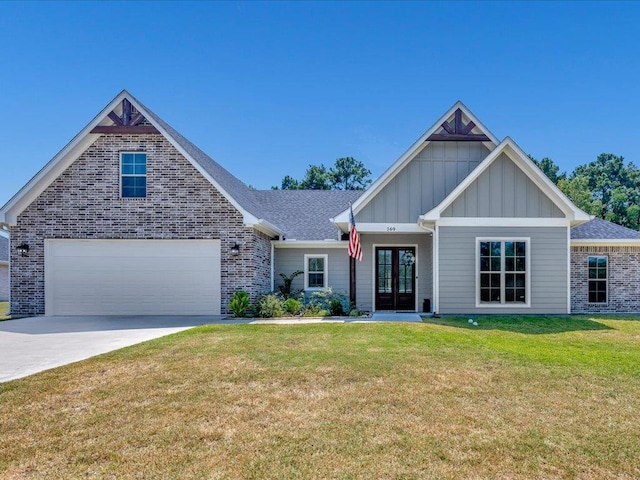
457,124
457,131
129,121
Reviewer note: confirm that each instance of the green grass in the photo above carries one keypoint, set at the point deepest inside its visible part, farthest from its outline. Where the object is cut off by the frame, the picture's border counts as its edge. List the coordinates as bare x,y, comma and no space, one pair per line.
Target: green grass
515,397
4,310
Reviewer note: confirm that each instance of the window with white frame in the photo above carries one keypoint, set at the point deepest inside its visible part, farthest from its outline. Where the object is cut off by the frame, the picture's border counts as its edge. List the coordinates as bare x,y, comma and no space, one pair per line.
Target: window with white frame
133,175
503,272
315,272
598,276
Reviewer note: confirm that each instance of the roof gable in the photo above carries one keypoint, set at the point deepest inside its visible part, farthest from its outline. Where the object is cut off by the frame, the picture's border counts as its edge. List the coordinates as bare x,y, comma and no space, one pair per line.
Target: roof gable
113,115
503,190
522,161
463,119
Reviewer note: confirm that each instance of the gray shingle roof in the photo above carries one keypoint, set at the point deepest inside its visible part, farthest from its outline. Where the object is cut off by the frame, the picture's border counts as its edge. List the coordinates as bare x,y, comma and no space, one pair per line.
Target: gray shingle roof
300,214
231,184
599,229
305,214
4,249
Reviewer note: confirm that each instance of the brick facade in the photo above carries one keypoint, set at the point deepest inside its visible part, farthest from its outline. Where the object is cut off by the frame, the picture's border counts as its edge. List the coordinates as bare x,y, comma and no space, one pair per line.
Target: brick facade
623,293
84,203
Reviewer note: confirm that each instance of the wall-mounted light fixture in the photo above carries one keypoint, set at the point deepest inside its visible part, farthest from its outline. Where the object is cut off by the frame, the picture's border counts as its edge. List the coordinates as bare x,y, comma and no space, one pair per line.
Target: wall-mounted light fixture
23,250
235,250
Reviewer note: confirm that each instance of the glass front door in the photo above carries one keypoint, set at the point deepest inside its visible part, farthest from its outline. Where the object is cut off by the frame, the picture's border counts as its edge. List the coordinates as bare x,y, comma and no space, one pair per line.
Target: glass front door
395,278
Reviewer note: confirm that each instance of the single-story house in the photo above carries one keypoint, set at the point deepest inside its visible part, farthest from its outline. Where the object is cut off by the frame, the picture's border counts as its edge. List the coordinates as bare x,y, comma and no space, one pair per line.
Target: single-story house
4,266
132,218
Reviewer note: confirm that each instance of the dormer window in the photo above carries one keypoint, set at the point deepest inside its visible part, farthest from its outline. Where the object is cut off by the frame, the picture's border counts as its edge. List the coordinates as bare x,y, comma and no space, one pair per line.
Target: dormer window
133,175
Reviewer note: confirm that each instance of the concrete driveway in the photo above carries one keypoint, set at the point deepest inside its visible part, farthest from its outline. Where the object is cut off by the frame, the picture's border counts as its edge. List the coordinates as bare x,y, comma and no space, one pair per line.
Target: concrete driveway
31,345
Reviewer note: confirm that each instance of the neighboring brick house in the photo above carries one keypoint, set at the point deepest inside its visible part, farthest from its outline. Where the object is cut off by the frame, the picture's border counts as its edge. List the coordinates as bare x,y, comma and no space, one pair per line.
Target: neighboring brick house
4,266
132,218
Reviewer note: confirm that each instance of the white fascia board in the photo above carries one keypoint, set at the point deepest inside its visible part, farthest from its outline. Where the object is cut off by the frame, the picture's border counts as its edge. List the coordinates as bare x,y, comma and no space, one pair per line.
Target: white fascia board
609,242
65,157
309,244
502,222
389,228
408,155
261,225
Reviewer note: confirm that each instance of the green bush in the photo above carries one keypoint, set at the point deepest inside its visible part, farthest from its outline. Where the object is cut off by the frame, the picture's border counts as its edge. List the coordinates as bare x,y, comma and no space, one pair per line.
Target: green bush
293,306
270,305
326,299
315,310
239,303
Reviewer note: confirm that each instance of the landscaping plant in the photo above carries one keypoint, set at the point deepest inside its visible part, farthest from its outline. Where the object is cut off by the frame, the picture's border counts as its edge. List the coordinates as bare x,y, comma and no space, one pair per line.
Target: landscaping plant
239,303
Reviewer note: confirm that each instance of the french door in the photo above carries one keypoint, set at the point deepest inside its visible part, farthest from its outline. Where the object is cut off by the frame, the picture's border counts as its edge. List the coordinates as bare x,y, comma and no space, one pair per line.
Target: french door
395,278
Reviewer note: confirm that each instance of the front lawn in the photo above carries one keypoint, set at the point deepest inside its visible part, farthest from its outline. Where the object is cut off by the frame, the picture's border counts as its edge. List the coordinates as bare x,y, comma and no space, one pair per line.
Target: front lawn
511,398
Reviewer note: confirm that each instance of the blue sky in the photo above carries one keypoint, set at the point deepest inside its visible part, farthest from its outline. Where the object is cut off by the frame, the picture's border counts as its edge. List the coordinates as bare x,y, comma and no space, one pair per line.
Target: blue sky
267,88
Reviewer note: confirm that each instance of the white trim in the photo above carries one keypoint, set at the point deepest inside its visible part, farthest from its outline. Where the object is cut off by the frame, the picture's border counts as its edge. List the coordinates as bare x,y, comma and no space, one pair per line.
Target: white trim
503,303
309,244
273,268
146,165
568,270
513,151
4,233
416,268
408,155
390,228
606,257
436,269
325,272
611,242
502,222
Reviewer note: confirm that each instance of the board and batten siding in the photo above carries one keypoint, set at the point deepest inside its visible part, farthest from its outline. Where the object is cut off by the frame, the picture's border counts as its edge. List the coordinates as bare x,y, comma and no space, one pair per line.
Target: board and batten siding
424,182
365,274
458,269
503,190
288,260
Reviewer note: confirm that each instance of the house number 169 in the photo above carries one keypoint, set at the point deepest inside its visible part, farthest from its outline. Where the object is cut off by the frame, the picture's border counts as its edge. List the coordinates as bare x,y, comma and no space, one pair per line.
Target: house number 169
391,229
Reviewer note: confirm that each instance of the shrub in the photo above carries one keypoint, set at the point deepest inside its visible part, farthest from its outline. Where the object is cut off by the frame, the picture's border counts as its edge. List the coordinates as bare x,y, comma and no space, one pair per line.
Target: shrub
270,305
239,303
293,306
288,280
326,299
314,310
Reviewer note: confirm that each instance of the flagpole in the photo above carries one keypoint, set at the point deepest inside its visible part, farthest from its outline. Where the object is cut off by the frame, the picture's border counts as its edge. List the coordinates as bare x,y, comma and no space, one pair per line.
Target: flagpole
352,282
352,262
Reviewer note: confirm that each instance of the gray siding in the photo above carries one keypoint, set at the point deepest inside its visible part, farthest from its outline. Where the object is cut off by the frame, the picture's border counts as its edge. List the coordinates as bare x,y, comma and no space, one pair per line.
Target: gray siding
424,182
288,260
548,251
503,190
365,276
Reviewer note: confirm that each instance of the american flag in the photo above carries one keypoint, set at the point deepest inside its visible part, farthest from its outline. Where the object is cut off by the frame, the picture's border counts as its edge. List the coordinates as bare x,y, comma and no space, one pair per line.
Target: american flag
355,250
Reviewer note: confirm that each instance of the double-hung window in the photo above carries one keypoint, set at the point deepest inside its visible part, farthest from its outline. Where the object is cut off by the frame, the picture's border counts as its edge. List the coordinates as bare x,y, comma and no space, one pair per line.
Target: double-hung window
133,175
503,272
597,279
315,272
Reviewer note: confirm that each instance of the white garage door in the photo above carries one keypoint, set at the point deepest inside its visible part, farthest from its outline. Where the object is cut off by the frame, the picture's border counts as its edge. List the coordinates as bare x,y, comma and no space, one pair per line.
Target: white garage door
132,277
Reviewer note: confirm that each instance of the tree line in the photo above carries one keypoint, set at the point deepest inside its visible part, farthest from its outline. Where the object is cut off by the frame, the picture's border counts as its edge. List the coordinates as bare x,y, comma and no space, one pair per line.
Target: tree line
607,187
